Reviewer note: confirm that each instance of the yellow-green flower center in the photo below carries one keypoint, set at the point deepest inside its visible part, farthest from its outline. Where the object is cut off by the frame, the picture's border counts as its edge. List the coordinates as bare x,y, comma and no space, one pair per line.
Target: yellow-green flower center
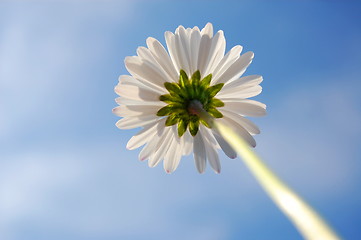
180,96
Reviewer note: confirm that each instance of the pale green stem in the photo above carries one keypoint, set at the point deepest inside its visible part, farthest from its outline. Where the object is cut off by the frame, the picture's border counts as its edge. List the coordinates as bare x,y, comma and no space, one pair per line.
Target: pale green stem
305,219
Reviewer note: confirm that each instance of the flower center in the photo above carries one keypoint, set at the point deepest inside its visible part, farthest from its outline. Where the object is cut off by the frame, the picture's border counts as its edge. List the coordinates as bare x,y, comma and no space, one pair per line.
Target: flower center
181,94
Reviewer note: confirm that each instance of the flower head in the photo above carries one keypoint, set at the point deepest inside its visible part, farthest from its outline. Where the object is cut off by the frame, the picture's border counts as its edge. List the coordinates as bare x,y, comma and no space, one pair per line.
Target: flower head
163,85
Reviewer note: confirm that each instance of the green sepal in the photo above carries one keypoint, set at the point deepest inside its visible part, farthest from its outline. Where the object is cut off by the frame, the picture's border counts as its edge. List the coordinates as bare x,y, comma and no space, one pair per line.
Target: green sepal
179,111
204,123
182,93
171,108
206,81
193,127
183,79
215,113
167,98
195,83
183,83
172,88
196,77
164,111
183,74
215,102
185,86
214,89
182,127
171,120
203,96
191,91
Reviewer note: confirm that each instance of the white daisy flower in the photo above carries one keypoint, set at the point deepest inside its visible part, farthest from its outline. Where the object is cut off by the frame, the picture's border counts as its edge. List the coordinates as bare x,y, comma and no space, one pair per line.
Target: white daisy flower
157,96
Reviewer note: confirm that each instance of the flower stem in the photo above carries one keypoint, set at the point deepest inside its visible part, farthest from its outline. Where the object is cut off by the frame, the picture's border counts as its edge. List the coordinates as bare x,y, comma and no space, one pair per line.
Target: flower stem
305,219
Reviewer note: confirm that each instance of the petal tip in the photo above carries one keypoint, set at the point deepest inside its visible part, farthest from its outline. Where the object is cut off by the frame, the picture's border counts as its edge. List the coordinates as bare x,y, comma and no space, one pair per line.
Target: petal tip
168,34
150,39
209,24
233,156
200,171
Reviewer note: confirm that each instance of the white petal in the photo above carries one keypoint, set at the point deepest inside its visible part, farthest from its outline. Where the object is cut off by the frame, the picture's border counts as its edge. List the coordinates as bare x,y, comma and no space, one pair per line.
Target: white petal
227,149
236,69
226,62
188,143
216,52
167,162
183,49
195,28
126,79
157,156
130,80
161,148
147,56
244,122
146,72
208,30
125,101
245,100
136,93
145,69
172,49
240,92
134,122
135,110
153,146
211,146
203,53
208,134
174,154
245,107
161,55
142,137
199,152
238,129
212,157
194,41
161,127
246,81
211,150
149,148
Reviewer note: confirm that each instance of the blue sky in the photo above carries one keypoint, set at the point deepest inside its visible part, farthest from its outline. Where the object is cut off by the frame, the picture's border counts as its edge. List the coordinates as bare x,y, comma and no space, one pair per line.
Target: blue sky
64,169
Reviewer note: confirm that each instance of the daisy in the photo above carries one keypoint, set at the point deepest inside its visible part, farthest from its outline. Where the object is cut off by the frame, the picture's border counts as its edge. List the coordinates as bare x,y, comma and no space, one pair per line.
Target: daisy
164,84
